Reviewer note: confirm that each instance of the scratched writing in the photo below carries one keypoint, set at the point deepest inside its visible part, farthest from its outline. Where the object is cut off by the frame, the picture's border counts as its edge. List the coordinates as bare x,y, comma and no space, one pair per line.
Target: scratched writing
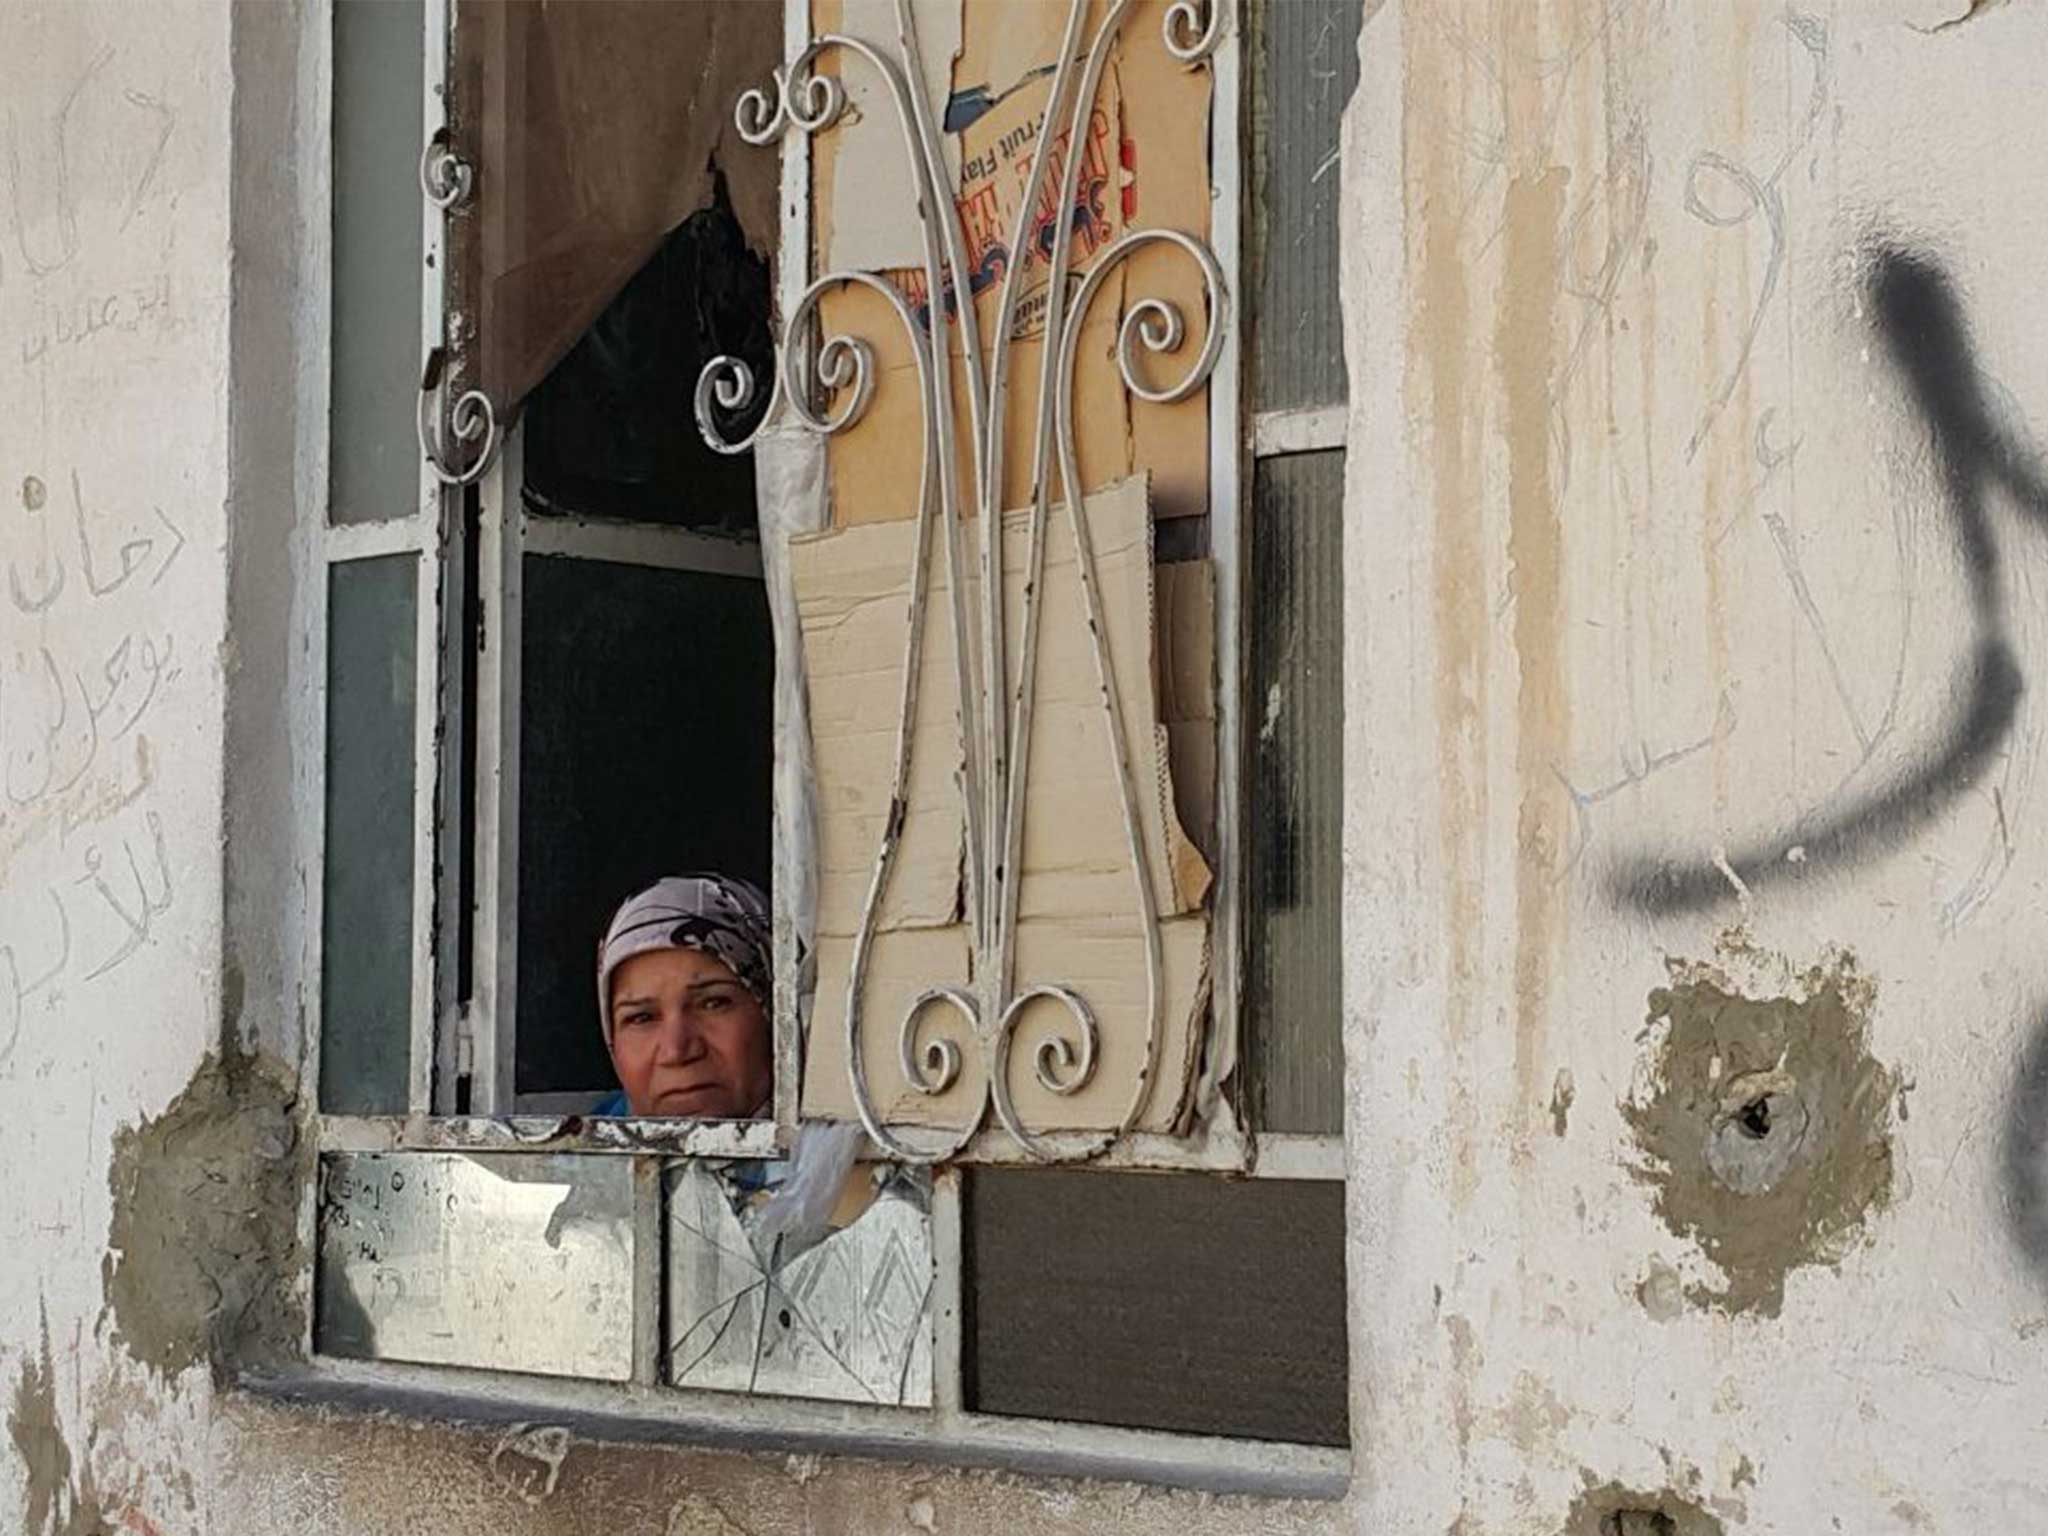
120,131
132,555
144,305
137,916
35,586
76,764
18,987
63,742
100,917
1725,194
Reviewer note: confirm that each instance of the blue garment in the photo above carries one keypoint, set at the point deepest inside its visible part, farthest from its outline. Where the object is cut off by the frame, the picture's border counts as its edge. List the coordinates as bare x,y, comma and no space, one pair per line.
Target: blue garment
612,1106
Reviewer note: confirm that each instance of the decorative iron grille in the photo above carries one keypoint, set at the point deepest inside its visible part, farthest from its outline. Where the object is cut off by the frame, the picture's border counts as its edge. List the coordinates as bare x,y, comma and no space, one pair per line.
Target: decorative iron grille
996,720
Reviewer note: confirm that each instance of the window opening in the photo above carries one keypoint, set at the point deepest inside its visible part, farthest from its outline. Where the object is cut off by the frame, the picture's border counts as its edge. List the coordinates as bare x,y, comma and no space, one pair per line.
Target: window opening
569,694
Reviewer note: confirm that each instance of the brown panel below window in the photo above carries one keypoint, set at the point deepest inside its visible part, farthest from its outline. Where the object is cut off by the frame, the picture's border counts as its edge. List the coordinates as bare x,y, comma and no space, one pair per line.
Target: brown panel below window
1180,1302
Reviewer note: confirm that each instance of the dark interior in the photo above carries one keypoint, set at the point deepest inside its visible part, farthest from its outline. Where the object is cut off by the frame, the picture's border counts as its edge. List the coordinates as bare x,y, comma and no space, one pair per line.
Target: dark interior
646,709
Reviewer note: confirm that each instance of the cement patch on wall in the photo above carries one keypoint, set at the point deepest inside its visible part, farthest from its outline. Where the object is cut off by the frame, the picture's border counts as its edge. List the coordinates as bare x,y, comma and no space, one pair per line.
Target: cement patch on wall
1764,1123
203,1246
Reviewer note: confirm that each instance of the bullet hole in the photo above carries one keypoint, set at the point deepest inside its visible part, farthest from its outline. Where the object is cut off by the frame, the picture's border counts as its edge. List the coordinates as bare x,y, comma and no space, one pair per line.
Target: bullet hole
33,495
1638,1522
782,1317
1613,1509
1763,1122
1758,1133
1755,1118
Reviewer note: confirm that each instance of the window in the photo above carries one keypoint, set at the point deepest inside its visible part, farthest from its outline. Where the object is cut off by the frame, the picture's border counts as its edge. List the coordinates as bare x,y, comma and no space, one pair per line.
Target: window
505,662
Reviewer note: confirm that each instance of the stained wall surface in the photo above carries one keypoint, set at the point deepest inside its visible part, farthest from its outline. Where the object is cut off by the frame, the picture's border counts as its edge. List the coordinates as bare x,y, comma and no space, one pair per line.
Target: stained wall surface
1693,853
1697,1056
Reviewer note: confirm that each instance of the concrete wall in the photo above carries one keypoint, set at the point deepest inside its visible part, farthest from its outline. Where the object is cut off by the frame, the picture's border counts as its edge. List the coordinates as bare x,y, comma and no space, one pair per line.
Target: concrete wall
1693,850
1699,1072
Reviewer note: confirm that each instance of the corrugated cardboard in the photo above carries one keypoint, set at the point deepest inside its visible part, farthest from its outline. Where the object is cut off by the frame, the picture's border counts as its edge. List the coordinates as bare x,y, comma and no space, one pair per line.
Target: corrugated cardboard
1077,923
1142,167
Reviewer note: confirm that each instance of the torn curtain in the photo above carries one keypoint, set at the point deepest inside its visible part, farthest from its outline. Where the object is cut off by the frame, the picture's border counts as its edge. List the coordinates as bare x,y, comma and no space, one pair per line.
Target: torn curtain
596,127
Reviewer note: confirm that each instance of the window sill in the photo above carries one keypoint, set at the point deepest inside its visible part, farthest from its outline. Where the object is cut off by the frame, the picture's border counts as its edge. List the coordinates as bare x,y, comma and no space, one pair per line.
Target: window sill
710,1420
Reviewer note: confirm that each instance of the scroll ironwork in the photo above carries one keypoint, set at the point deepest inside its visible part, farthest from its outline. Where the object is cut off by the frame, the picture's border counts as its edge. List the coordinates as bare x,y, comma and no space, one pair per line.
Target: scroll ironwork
943,1022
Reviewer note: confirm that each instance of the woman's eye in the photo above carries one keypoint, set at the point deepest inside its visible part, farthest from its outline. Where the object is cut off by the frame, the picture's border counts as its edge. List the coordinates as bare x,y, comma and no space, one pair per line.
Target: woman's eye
716,1002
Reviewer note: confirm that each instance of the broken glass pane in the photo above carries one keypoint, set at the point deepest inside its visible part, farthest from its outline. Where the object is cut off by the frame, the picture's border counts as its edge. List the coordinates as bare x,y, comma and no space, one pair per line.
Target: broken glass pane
847,1317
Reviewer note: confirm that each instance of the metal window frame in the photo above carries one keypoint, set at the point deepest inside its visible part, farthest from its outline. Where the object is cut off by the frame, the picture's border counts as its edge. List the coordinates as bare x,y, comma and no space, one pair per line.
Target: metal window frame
433,533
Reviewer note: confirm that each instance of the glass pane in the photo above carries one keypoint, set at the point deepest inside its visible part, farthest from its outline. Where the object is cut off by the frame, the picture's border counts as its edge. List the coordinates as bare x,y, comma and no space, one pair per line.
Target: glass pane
366,930
645,750
611,432
374,464
1307,66
1293,979
847,1318
521,1262
1179,1302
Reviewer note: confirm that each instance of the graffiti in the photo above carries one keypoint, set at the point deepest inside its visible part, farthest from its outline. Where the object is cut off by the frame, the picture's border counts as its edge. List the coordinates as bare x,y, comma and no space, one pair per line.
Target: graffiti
2023,1152
135,921
48,574
1724,194
57,745
1918,317
20,989
74,755
76,321
93,112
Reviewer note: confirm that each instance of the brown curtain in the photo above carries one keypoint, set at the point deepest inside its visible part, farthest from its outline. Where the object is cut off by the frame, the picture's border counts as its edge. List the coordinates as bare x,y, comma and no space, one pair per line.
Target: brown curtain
596,127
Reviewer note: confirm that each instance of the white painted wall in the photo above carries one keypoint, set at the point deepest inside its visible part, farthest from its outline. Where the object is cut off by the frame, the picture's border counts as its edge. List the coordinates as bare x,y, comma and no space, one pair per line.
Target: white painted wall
1552,589
113,443
1625,581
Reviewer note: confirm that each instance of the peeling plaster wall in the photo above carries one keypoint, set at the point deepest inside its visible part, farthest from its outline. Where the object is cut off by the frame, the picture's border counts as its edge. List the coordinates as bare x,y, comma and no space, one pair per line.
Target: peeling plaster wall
1693,847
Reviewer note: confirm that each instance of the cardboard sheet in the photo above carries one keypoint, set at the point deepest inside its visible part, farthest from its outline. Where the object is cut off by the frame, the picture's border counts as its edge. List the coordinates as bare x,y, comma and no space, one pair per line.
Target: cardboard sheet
853,603
874,199
1077,920
1140,167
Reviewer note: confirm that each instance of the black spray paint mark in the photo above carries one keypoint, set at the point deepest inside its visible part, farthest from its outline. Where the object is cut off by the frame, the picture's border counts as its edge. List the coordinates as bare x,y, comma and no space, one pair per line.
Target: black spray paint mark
1920,320
2023,1152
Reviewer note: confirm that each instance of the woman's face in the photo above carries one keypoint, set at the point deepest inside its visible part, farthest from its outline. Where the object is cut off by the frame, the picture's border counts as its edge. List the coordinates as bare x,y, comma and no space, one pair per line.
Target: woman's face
688,1038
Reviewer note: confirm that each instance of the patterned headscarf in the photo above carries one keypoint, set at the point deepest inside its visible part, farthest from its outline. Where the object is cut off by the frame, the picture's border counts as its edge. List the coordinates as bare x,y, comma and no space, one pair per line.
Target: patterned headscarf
718,915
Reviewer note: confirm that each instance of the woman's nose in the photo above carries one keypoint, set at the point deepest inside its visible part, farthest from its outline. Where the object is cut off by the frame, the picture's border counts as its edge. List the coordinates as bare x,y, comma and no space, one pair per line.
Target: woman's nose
681,1041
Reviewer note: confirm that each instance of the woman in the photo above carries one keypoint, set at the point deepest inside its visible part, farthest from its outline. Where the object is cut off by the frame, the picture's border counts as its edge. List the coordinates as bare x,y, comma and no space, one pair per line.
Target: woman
683,984
683,979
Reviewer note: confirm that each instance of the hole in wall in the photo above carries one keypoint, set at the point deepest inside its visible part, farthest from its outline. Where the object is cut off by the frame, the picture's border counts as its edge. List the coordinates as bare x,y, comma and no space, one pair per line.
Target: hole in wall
1638,1522
1755,1118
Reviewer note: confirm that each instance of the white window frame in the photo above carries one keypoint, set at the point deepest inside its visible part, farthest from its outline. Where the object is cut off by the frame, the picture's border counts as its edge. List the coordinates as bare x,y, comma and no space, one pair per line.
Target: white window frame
477,1040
